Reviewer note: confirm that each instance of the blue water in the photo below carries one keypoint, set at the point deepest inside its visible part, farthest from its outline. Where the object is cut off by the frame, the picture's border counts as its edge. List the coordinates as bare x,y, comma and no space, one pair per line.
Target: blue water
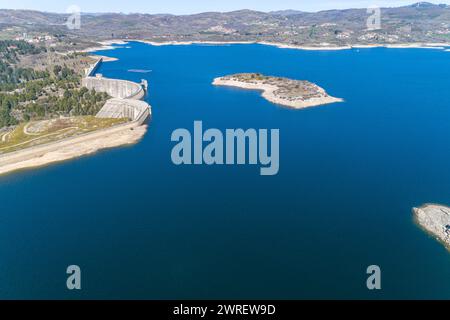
350,173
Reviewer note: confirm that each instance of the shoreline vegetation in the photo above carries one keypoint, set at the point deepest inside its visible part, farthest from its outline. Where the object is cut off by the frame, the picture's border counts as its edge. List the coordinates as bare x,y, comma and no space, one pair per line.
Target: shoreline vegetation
296,94
435,220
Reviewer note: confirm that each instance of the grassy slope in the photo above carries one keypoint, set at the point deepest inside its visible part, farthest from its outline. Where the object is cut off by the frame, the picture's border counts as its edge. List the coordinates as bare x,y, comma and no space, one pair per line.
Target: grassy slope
18,139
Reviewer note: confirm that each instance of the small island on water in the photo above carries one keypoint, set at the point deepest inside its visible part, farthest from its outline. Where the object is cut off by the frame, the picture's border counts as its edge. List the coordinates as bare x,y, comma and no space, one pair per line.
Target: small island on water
435,219
297,94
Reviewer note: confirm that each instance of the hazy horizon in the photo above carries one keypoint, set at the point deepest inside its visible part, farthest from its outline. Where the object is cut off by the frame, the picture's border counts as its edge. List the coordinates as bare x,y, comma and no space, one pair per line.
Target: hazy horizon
177,7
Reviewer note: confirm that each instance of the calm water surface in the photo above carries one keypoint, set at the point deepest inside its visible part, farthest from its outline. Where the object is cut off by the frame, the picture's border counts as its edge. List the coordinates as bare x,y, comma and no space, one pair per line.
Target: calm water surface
350,173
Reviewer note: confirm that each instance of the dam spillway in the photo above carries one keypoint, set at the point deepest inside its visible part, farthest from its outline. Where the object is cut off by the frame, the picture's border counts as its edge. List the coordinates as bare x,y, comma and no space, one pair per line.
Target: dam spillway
122,89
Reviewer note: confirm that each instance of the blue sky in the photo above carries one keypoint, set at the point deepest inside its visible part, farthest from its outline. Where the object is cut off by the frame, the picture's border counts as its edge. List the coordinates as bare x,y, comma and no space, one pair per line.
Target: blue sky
195,6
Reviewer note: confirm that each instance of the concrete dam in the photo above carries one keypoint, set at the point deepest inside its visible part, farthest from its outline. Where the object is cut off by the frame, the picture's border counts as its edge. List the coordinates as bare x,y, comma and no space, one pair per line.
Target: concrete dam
126,95
122,89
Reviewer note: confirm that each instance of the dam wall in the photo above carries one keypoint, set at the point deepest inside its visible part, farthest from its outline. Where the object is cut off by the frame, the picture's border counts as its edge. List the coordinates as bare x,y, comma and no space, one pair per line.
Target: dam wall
90,72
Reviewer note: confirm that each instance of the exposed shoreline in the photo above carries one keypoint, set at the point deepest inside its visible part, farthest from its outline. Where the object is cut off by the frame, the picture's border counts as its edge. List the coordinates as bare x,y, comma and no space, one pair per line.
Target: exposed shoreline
435,220
268,94
107,45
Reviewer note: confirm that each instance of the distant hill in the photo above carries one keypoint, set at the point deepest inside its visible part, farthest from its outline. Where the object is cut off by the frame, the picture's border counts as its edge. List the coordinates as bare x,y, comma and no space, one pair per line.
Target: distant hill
419,22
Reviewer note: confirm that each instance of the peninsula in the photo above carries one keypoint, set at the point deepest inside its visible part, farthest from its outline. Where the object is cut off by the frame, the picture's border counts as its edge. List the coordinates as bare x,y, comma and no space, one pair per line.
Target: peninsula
297,94
435,219
117,118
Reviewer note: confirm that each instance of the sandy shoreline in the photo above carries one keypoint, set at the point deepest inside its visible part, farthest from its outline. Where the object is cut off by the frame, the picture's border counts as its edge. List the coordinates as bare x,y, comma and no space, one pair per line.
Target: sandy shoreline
268,94
435,220
306,48
105,45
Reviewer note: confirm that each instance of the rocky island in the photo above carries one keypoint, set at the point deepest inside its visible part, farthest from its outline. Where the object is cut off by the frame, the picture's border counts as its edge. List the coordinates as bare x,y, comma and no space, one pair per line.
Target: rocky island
418,24
297,94
435,219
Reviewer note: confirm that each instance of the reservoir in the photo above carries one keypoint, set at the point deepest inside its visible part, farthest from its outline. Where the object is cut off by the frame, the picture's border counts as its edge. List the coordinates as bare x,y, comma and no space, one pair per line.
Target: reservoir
349,175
